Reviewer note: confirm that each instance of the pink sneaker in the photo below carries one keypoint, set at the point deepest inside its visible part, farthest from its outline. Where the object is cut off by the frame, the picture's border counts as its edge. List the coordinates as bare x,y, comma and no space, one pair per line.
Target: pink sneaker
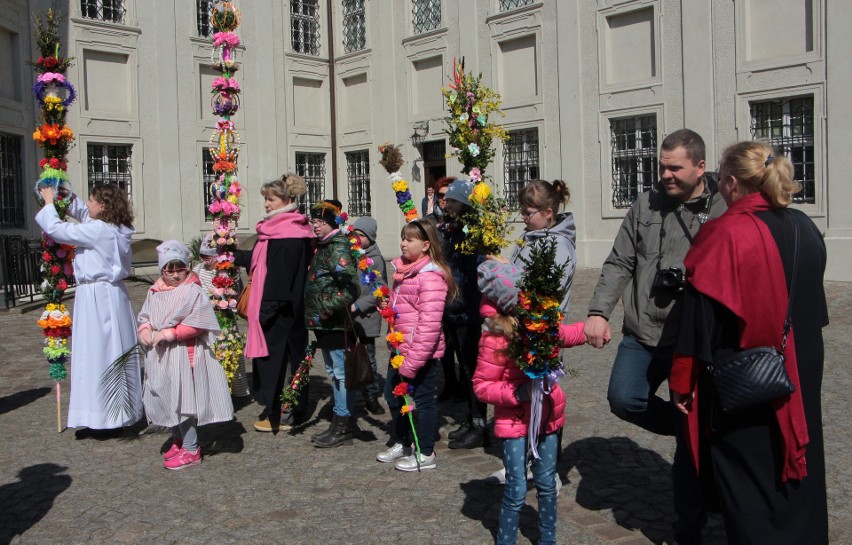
183,459
173,450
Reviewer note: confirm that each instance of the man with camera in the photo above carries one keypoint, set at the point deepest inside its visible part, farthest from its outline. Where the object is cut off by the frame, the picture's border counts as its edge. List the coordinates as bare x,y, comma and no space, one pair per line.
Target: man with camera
645,268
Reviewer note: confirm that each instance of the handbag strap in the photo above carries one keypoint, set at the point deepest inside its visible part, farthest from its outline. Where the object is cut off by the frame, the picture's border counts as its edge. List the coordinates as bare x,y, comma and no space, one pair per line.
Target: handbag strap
788,322
350,324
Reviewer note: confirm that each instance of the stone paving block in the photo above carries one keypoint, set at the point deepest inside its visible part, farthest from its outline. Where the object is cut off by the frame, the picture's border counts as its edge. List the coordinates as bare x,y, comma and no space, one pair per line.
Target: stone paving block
612,532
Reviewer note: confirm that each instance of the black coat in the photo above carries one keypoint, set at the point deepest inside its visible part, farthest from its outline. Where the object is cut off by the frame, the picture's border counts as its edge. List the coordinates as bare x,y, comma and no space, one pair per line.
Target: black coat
281,317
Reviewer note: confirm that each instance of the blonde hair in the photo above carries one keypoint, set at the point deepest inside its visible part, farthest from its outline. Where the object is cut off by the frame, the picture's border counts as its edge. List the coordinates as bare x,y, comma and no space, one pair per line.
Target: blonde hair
541,195
289,186
502,324
757,166
425,231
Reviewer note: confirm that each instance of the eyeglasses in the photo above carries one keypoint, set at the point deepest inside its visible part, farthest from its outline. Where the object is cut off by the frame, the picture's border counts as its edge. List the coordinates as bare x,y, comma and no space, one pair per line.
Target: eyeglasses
526,214
317,221
174,272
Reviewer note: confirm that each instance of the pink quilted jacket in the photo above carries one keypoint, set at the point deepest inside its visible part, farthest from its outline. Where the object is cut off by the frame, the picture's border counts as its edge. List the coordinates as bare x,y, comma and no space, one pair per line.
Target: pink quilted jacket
497,376
418,300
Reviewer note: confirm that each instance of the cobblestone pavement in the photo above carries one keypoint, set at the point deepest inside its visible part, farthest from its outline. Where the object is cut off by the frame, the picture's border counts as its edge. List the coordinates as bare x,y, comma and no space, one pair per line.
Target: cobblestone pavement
264,488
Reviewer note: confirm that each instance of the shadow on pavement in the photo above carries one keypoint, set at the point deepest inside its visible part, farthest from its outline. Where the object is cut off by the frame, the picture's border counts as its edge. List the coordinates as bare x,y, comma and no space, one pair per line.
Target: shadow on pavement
24,503
618,474
482,502
17,400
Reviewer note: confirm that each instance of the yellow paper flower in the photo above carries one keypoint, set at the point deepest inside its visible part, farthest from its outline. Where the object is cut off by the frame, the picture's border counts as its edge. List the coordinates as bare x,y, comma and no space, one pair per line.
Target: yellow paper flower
481,191
399,186
549,302
396,361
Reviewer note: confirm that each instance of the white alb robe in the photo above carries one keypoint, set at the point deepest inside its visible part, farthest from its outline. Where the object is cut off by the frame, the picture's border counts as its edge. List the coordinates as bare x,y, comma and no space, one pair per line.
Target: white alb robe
103,322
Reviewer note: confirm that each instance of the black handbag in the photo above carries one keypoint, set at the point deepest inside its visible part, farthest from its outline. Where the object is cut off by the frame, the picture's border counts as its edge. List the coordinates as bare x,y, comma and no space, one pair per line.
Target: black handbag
756,376
357,367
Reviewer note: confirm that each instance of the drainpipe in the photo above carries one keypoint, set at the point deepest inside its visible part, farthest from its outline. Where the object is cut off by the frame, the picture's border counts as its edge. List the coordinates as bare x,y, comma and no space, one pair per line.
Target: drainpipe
332,99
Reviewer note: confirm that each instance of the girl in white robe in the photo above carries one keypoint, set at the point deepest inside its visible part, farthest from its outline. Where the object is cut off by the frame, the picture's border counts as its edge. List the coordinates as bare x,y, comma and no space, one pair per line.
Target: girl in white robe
184,384
103,326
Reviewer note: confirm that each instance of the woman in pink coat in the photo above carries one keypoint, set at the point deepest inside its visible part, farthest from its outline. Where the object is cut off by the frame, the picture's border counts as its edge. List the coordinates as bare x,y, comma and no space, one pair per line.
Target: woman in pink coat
500,382
421,286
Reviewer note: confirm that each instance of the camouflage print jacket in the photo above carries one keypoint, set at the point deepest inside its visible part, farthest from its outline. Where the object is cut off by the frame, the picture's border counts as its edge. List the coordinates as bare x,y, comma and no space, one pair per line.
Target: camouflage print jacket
332,284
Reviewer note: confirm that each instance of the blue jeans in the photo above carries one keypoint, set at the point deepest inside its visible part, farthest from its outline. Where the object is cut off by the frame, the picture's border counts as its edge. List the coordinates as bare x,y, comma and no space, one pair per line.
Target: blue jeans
637,374
515,492
335,366
425,407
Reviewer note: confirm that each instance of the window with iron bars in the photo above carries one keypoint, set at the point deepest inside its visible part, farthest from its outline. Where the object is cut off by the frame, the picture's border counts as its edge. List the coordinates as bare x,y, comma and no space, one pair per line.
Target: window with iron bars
203,9
354,25
103,10
787,124
520,163
304,26
11,182
311,167
506,5
633,142
427,15
110,164
358,178
208,177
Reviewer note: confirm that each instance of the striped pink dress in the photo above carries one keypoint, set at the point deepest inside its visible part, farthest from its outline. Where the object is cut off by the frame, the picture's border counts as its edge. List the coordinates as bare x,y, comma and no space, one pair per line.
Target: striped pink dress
175,390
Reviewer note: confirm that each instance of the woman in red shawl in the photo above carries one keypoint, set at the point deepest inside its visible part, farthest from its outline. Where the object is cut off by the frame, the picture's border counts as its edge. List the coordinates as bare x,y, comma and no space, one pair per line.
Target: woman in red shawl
767,462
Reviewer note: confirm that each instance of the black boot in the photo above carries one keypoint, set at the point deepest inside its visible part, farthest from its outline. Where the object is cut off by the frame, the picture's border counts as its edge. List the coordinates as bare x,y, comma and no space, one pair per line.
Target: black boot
323,433
371,403
341,433
460,431
475,437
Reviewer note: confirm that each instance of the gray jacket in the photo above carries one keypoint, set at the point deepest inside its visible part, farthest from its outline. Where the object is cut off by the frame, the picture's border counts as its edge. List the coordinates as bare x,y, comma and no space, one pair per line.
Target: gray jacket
368,322
652,236
566,243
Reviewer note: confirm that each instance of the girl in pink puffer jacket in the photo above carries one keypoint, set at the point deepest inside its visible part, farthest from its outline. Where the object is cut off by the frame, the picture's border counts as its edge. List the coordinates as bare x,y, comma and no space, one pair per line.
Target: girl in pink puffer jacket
422,284
500,382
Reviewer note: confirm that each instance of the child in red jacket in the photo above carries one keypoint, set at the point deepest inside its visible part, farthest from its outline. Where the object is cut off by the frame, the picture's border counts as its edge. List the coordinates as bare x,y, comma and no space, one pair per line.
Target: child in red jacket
500,382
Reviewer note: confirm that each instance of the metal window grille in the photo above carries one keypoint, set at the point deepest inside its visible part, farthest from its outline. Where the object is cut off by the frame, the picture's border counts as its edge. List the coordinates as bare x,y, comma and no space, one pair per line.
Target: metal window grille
208,177
354,25
311,167
108,164
203,8
633,143
358,177
520,163
11,182
427,15
788,125
304,26
103,10
506,5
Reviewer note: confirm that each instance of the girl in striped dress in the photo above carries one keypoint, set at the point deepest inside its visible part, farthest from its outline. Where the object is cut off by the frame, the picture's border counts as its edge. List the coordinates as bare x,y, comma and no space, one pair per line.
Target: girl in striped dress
184,384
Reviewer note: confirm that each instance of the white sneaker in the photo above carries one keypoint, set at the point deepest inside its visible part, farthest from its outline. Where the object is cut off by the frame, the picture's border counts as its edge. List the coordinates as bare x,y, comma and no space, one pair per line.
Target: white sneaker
408,463
498,477
392,454
558,484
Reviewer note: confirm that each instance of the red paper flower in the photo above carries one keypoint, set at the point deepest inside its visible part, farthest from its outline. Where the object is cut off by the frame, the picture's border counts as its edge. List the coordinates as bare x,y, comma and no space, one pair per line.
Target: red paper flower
401,389
54,269
45,256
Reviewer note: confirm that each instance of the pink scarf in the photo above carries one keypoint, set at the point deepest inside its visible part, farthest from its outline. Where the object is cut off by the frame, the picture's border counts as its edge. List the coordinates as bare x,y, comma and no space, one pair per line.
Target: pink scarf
403,266
284,225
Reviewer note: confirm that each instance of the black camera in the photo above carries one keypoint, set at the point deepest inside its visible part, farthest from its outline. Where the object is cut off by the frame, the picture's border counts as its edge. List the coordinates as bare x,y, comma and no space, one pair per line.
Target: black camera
670,279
